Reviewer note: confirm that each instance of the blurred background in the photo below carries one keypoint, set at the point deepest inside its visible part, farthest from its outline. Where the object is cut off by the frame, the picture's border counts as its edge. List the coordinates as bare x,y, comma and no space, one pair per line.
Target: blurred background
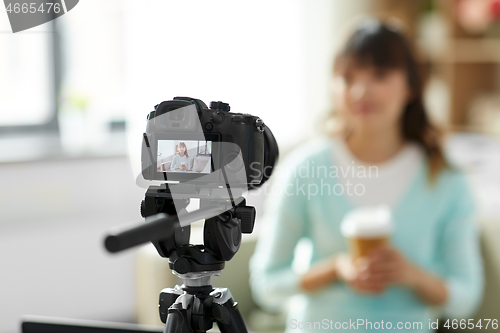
75,92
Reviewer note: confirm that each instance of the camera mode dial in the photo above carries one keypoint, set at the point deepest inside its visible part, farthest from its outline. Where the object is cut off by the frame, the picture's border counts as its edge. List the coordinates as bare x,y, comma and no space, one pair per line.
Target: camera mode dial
221,106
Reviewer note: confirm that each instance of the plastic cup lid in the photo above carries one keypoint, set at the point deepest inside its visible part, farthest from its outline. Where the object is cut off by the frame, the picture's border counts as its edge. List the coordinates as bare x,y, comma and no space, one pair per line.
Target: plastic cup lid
368,221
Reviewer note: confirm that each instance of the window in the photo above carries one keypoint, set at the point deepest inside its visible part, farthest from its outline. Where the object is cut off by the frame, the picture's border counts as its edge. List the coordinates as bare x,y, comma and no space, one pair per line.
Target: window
27,75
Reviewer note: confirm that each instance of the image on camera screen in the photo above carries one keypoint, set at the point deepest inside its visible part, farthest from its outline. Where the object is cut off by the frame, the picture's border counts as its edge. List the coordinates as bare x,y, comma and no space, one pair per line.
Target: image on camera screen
184,156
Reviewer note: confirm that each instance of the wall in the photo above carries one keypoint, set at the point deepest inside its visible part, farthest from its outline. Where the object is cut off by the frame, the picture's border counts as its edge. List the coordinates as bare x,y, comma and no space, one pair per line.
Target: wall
54,215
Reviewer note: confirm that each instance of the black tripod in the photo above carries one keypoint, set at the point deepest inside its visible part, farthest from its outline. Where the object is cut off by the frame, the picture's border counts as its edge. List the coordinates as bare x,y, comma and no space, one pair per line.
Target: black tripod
195,305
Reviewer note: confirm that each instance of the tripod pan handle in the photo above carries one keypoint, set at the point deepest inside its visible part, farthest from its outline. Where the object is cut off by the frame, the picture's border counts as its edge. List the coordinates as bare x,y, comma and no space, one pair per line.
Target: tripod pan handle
159,224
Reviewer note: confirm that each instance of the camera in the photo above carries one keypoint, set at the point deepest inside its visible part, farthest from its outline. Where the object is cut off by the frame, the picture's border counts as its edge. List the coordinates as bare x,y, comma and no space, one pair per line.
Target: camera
185,141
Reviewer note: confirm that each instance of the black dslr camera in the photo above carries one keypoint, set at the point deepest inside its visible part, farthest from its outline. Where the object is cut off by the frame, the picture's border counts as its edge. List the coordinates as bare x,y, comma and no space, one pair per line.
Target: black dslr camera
187,141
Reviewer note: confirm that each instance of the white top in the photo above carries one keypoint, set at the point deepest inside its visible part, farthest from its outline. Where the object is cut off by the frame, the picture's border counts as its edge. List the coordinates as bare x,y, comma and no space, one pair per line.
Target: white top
377,184
177,161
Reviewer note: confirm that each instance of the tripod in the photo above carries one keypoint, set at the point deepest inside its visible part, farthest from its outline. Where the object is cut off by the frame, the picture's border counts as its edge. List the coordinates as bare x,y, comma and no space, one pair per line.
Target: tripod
195,305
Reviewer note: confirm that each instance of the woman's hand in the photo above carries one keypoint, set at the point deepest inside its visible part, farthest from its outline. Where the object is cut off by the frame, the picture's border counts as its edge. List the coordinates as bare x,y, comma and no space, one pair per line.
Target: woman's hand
383,267
386,265
353,273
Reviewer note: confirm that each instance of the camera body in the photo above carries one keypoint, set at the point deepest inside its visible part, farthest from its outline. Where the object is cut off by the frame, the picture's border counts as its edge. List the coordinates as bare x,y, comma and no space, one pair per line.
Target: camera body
213,139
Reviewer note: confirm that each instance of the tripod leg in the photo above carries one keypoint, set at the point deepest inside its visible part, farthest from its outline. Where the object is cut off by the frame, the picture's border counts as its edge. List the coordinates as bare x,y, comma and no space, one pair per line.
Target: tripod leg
232,322
176,322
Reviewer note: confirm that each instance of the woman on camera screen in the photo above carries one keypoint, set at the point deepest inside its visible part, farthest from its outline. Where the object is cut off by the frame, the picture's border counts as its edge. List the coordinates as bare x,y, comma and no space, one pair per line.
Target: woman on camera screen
386,152
181,161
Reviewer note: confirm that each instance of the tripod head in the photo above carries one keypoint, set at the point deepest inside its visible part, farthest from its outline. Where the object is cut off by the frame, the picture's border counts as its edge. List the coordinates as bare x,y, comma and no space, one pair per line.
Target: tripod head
195,305
222,232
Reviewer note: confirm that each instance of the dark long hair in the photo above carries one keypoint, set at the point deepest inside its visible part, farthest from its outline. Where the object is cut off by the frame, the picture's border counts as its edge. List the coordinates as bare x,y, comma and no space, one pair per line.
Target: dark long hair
182,144
374,43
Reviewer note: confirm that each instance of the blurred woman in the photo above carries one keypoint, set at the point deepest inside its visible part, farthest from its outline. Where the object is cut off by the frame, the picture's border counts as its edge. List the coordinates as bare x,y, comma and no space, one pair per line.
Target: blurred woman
432,266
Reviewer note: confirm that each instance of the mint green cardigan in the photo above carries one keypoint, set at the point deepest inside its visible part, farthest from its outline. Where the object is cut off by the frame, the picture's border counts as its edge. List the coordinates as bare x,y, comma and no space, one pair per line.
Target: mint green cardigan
434,228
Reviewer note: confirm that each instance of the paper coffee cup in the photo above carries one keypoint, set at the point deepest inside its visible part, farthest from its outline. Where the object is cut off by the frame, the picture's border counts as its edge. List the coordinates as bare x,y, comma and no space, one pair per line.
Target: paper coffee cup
367,228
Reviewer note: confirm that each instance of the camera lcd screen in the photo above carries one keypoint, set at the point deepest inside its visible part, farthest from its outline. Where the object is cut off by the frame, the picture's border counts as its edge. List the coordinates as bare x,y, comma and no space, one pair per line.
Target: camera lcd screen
184,156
